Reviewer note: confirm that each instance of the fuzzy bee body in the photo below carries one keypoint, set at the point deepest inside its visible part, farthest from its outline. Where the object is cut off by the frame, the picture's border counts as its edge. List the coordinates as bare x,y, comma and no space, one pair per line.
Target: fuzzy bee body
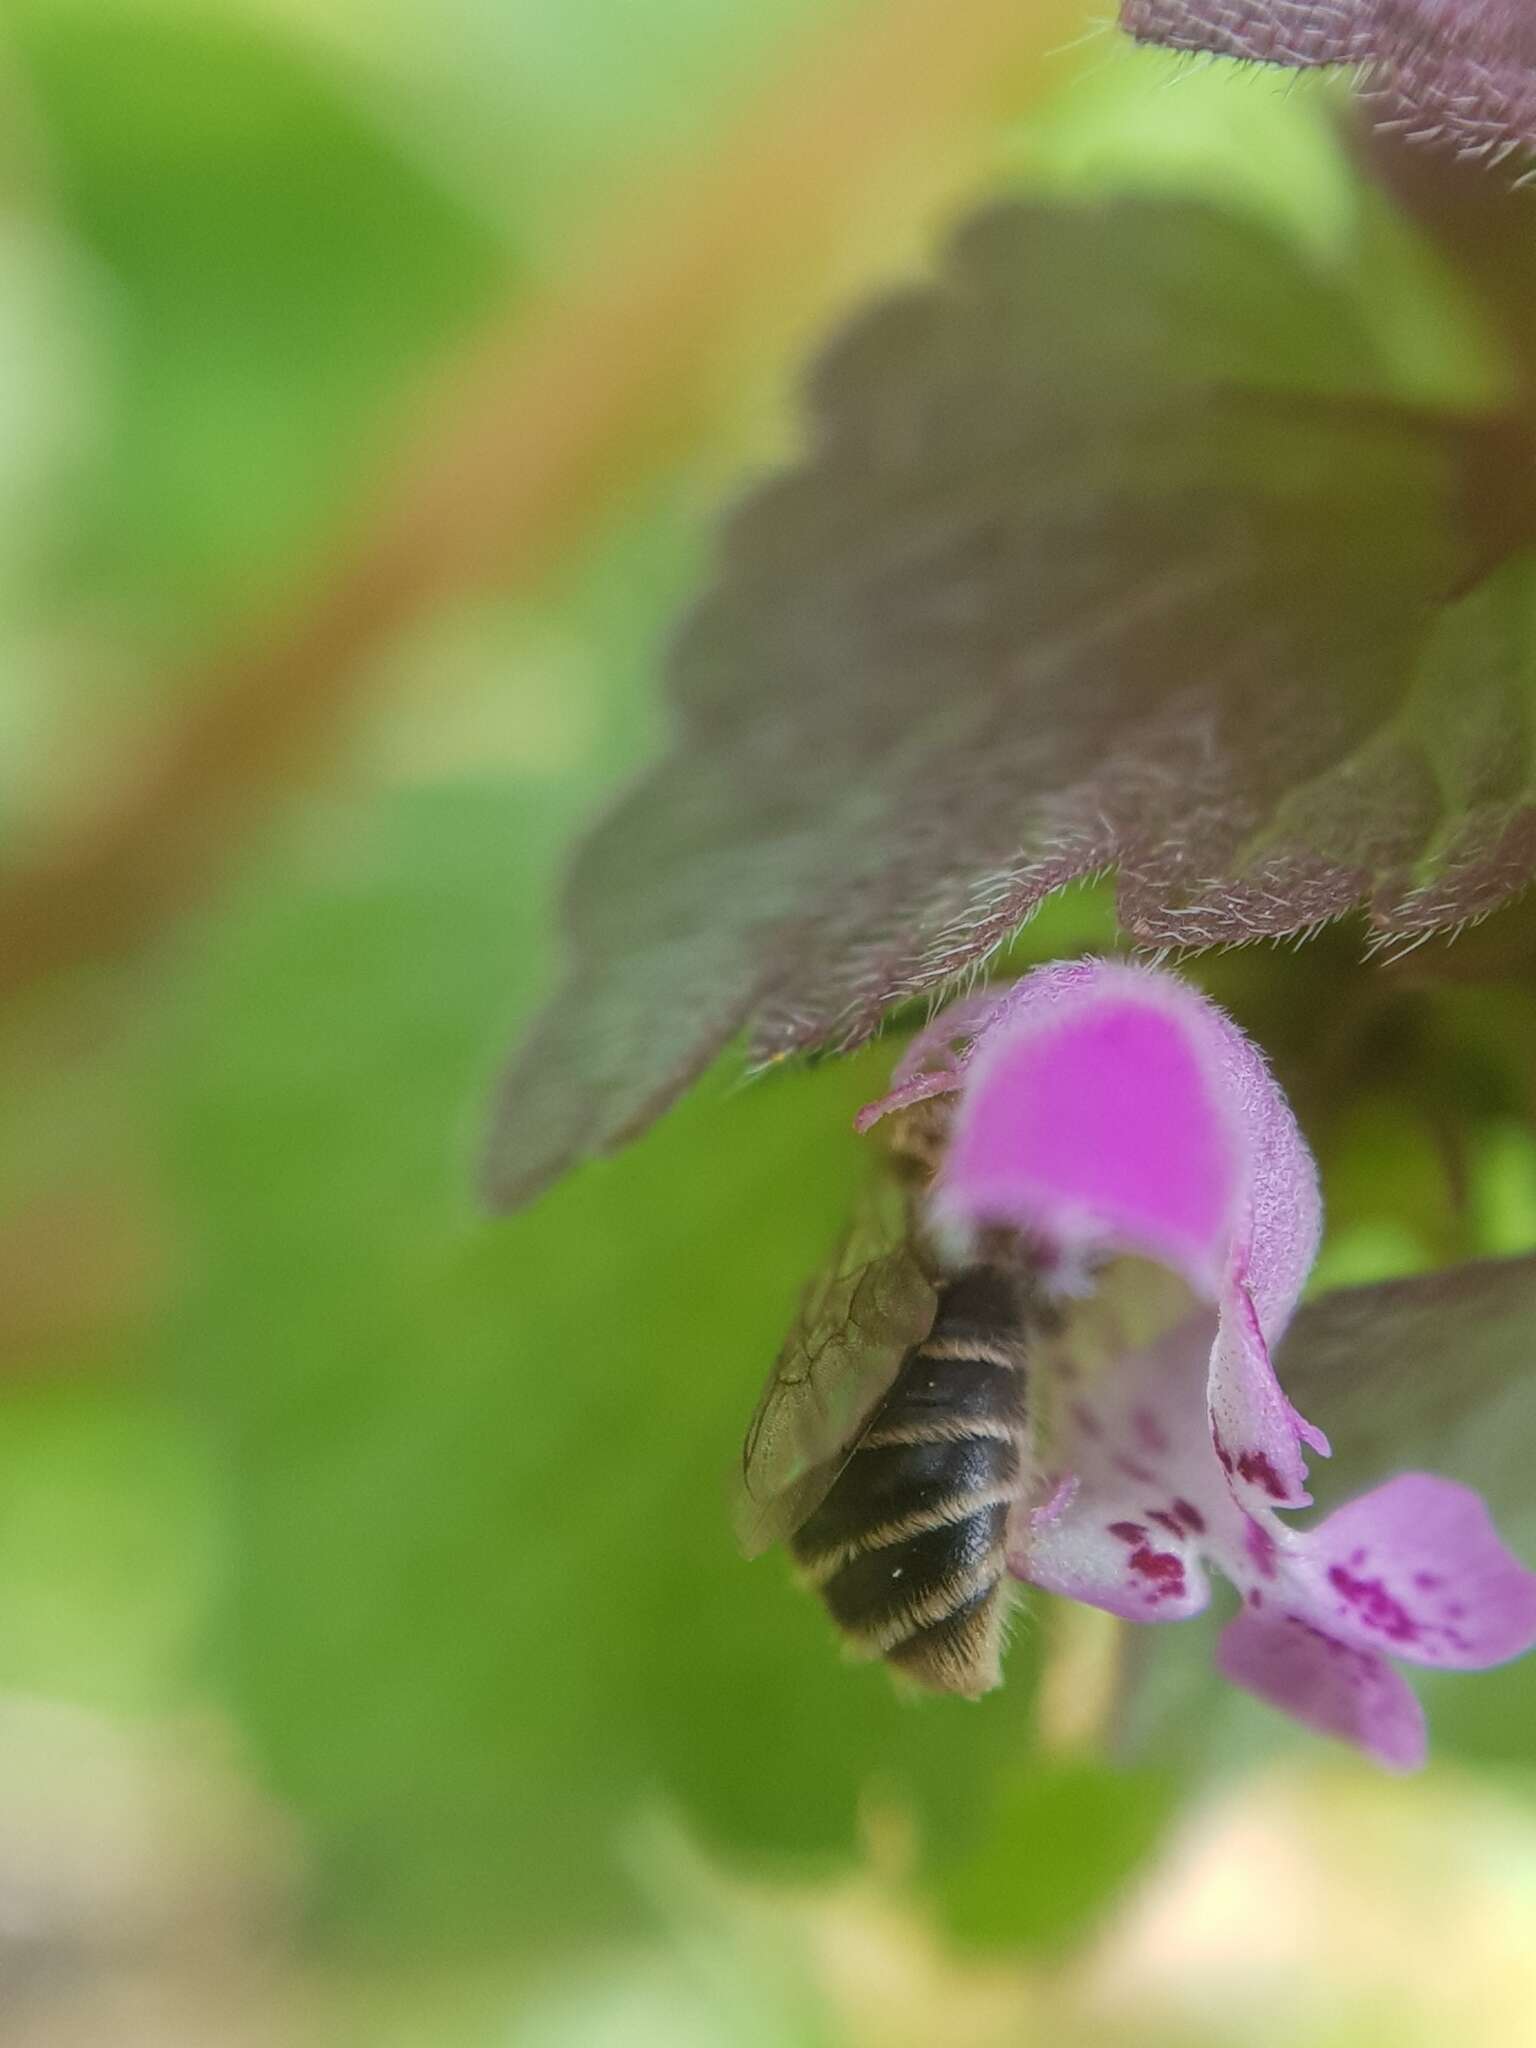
893,1449
908,1547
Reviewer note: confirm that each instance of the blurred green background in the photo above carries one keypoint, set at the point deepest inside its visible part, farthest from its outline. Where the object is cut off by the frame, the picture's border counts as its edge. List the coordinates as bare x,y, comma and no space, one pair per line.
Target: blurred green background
377,1666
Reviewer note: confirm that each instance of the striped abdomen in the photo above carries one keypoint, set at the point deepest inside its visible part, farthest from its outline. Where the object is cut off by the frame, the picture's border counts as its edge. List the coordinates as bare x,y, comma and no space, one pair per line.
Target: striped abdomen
908,1547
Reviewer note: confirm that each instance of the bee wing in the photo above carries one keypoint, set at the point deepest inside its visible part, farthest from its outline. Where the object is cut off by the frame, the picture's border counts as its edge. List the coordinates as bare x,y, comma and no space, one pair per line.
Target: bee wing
856,1323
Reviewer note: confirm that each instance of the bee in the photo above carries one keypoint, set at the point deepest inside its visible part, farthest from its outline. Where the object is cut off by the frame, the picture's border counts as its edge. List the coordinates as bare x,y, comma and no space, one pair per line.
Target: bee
893,1447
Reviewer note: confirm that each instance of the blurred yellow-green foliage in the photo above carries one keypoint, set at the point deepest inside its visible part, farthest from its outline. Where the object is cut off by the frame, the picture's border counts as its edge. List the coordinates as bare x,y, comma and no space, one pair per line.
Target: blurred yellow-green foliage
377,1665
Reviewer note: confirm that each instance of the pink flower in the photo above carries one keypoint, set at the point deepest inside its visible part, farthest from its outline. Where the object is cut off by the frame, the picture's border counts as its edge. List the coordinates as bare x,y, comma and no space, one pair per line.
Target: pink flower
1124,1124
1458,71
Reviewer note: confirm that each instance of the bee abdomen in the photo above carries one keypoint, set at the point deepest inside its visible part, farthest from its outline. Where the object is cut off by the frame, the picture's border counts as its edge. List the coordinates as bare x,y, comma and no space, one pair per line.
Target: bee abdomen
908,1547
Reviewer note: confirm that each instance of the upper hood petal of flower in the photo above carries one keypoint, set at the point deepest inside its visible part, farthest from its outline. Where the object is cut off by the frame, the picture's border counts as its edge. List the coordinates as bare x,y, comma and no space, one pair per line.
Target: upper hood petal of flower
1112,1108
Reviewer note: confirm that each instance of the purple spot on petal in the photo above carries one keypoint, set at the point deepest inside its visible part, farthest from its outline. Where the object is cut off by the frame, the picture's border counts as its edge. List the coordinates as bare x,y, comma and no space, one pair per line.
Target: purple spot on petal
1190,1516
1137,1471
1427,1581
1255,1598
1167,1521
1455,1610
1128,1532
1261,1548
1357,1558
1255,1467
1374,1604
1163,1571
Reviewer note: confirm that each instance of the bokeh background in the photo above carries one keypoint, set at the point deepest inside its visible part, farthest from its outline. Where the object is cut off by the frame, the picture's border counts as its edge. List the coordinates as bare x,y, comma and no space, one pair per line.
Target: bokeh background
376,1665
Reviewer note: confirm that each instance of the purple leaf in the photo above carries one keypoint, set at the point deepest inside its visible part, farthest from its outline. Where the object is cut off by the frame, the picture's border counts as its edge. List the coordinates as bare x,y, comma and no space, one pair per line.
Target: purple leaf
1436,1370
1109,550
1457,72
1296,33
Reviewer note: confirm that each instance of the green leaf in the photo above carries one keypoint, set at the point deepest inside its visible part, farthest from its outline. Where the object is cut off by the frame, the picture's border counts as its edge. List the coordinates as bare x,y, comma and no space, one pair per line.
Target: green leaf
1060,1842
108,1539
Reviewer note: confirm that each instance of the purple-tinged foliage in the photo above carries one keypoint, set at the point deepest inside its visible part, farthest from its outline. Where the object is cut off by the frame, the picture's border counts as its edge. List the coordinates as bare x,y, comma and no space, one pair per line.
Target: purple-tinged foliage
1105,1110
1457,72
1432,1368
1110,551
1297,33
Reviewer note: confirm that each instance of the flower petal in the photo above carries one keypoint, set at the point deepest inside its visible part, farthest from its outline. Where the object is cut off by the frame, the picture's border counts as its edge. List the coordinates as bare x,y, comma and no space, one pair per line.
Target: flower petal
1110,1104
1149,1496
1092,1118
1329,1685
1107,1558
1112,1107
1282,1217
1416,1569
1256,1431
